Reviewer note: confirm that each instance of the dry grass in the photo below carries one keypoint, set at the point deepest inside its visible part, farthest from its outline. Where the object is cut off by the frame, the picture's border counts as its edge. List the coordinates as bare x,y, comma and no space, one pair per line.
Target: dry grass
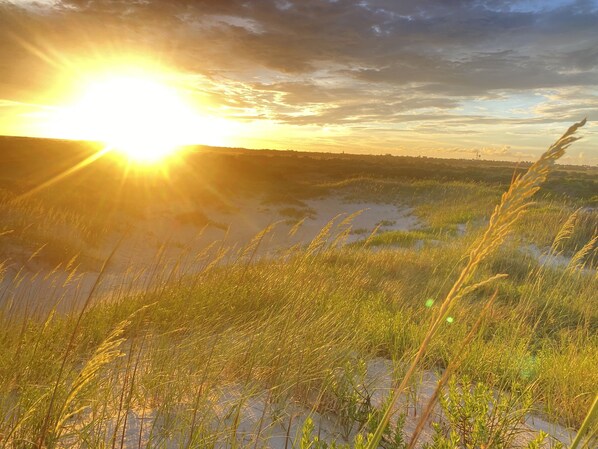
234,326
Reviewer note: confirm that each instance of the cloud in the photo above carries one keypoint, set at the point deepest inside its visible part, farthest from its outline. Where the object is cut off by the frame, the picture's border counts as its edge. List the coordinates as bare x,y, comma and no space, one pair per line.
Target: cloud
373,63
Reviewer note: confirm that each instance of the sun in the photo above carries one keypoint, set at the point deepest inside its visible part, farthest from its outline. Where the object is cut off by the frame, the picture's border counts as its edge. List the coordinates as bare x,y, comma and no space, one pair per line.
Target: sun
140,117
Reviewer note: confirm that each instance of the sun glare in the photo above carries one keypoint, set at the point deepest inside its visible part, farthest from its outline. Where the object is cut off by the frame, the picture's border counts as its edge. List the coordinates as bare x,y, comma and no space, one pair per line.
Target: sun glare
140,117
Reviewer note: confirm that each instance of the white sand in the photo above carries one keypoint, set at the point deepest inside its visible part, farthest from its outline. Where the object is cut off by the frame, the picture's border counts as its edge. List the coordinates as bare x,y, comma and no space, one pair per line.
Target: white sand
160,247
265,425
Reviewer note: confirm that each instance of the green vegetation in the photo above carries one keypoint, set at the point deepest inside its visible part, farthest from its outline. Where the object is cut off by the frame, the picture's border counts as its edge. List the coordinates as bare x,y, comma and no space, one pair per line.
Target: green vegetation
179,364
398,238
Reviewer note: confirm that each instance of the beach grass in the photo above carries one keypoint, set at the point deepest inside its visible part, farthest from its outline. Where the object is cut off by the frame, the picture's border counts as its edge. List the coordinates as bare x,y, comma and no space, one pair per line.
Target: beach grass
179,363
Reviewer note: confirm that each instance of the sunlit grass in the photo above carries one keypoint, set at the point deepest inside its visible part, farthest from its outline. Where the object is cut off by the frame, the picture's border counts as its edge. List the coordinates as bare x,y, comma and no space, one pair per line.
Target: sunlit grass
187,354
283,327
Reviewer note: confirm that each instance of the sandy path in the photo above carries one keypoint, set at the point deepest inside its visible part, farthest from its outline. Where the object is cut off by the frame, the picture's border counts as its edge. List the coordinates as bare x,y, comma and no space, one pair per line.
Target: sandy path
161,246
265,425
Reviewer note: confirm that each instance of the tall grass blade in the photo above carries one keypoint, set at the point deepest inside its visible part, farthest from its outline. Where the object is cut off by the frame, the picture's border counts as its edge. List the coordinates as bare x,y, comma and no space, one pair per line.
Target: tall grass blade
590,419
513,204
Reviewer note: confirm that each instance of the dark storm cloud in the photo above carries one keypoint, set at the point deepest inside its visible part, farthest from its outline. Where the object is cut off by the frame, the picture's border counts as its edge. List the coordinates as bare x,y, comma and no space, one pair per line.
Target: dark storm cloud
345,61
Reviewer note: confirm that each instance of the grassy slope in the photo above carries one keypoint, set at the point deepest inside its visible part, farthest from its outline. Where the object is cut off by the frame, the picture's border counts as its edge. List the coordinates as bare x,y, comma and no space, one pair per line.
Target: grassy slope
285,324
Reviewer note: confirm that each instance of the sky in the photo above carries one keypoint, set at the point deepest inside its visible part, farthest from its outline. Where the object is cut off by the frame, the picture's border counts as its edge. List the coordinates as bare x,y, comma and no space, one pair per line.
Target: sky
452,78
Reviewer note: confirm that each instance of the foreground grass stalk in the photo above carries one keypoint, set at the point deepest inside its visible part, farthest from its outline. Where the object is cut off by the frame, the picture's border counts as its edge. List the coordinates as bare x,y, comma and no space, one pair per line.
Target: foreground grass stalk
70,345
513,204
585,426
450,369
